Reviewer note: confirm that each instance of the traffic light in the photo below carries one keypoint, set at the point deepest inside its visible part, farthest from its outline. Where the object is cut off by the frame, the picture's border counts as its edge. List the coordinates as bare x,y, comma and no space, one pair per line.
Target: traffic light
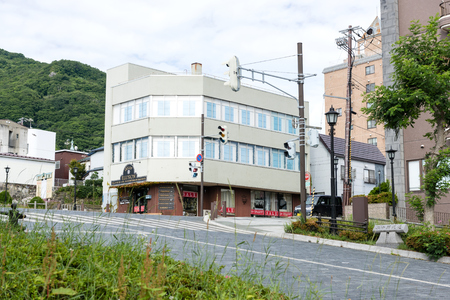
193,168
235,74
223,133
290,150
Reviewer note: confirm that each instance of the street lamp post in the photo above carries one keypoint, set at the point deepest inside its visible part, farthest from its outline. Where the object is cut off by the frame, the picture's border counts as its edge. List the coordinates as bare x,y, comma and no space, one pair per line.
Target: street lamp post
332,116
336,162
75,171
379,181
6,183
391,155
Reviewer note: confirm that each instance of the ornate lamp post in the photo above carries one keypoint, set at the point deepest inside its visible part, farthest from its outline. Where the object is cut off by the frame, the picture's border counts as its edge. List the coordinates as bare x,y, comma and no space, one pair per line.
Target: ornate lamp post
332,116
75,171
6,183
391,155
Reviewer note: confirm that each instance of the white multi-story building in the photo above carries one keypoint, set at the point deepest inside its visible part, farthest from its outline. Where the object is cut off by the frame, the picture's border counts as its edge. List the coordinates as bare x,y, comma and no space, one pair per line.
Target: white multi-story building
153,129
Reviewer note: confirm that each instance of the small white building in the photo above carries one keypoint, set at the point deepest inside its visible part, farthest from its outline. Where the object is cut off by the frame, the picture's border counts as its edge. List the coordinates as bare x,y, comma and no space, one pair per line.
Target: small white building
41,143
96,160
367,164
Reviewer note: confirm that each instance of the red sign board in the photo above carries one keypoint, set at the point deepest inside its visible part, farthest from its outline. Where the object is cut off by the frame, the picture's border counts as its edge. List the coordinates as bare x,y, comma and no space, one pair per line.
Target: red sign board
190,194
307,176
270,213
139,209
230,210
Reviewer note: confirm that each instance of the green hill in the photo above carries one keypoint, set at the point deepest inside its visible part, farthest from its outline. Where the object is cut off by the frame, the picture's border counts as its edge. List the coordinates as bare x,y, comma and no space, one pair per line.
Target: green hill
66,97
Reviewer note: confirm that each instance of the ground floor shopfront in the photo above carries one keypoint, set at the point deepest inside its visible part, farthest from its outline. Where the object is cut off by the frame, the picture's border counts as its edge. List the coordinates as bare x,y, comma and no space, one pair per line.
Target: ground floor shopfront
182,199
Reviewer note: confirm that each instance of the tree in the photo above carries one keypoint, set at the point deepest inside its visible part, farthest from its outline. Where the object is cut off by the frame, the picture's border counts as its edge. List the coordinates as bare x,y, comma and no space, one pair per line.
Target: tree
421,86
81,169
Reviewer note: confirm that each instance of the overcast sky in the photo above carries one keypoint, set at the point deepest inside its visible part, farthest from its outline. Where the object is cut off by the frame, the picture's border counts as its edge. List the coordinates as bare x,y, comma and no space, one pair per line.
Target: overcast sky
170,35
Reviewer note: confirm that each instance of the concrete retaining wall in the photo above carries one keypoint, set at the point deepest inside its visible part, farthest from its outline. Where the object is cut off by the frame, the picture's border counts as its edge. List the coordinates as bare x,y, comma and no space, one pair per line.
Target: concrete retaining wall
376,210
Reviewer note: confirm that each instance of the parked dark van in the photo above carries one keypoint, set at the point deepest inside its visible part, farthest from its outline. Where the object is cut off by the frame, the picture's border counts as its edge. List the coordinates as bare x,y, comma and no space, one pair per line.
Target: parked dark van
322,206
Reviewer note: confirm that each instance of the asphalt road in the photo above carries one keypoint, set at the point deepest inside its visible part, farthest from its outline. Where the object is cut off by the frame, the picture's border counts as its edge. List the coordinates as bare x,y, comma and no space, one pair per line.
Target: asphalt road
299,268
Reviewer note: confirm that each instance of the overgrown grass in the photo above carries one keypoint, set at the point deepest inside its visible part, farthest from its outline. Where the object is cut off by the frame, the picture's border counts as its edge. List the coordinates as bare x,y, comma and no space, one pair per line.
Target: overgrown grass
73,264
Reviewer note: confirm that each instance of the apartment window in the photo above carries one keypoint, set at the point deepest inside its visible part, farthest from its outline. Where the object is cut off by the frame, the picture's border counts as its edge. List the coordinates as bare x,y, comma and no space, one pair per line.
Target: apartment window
343,173
211,148
370,69
127,112
141,148
163,146
293,164
262,156
210,110
229,114
127,150
229,151
142,108
369,176
163,108
246,154
187,146
371,124
262,123
278,158
188,108
414,175
370,87
277,121
372,141
245,117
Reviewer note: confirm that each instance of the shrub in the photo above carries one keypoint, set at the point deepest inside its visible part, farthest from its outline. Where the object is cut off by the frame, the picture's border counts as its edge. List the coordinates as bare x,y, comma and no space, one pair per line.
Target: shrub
353,235
415,202
383,188
8,198
37,199
432,242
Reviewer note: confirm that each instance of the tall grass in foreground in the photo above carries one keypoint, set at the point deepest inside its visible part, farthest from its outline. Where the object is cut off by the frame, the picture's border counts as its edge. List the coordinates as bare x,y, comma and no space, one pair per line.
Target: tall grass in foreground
74,264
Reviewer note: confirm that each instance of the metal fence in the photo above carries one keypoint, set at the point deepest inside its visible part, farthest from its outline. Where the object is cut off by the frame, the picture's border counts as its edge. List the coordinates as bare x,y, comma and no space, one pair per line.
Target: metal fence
409,215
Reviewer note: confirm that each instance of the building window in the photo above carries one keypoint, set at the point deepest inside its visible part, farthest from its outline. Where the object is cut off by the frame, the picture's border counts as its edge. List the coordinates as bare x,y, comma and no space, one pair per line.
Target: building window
370,69
277,121
371,124
188,108
57,165
163,146
246,154
262,156
229,152
229,114
127,113
228,196
343,173
141,148
210,110
293,164
414,175
372,141
262,123
142,109
370,87
163,108
290,126
187,146
369,176
245,117
211,149
127,150
278,158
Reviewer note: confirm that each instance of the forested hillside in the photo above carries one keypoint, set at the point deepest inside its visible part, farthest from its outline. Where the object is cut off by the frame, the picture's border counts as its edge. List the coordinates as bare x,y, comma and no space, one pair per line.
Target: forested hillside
66,97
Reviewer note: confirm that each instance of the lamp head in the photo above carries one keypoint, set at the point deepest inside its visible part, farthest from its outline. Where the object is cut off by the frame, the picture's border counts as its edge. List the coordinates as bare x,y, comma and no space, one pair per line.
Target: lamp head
7,169
332,116
391,153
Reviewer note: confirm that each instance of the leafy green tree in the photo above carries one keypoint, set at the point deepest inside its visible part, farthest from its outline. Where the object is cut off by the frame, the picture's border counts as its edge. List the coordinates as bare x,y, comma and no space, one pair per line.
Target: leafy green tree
81,169
421,86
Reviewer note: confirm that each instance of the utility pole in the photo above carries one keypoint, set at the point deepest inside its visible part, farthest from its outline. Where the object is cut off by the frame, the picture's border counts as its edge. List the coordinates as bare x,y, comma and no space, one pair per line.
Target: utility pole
202,151
348,123
301,130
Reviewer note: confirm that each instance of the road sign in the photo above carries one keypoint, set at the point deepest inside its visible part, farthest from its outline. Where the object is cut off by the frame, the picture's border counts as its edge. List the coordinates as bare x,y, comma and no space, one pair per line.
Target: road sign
307,176
199,158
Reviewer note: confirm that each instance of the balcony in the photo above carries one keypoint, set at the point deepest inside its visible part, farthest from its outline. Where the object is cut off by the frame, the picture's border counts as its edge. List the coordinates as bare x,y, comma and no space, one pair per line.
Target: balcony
444,21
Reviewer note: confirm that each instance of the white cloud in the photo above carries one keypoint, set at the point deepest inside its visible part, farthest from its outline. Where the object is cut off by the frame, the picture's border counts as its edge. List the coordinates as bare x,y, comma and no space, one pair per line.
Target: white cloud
172,34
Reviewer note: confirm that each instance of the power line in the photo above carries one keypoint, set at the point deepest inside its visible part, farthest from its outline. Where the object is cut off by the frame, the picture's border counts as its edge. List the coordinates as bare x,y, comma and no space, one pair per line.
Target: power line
257,62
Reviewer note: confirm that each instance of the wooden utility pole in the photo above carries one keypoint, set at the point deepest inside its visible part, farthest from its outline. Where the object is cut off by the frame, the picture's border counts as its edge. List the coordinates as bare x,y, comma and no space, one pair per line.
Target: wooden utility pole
348,124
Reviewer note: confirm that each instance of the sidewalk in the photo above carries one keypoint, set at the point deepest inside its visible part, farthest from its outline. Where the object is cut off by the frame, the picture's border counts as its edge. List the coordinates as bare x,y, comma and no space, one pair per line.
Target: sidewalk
274,227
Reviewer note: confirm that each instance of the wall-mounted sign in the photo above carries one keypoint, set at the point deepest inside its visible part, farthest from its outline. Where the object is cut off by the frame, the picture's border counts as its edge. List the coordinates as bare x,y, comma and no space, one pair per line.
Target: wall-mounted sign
166,197
270,213
44,185
128,176
124,200
190,194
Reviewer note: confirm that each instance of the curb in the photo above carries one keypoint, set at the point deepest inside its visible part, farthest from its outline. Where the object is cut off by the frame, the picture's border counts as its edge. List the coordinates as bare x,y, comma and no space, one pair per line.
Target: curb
343,244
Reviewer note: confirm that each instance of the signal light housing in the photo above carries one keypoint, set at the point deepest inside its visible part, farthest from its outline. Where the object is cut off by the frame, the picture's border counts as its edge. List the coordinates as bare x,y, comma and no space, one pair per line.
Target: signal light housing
223,134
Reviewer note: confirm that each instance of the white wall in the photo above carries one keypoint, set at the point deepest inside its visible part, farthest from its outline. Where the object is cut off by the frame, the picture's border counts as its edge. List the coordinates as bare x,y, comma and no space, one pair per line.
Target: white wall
24,170
41,143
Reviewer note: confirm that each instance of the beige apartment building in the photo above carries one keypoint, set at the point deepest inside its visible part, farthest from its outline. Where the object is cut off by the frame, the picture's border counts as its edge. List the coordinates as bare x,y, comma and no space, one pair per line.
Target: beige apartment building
153,130
367,72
